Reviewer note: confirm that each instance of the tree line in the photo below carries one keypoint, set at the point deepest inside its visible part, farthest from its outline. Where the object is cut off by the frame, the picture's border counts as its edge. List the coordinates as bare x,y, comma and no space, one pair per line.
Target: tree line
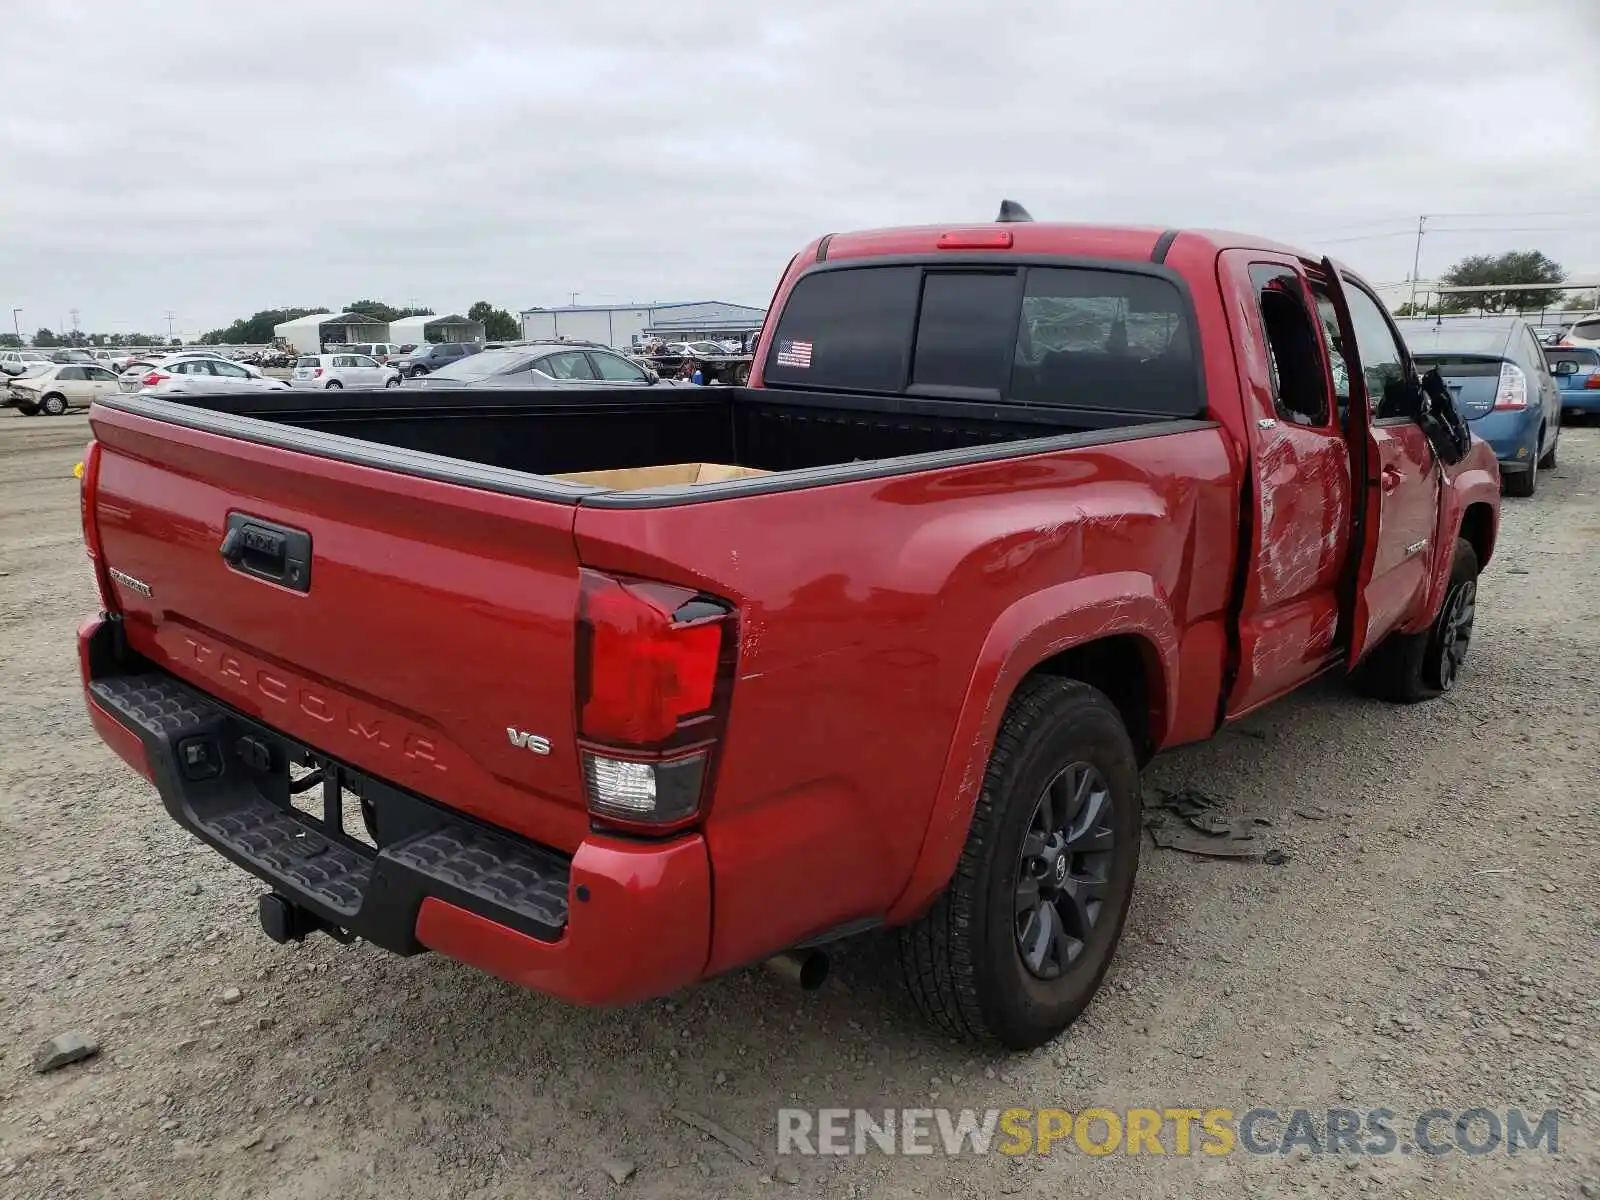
1509,267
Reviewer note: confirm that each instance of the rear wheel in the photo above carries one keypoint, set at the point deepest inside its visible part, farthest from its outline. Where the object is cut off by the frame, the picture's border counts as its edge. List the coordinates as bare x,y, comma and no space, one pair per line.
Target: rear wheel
1408,667
418,372
1523,484
1017,945
1548,462
53,405
392,382
334,385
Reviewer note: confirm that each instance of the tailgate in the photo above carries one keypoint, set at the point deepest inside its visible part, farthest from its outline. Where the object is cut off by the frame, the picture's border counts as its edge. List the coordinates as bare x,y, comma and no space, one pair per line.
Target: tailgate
429,640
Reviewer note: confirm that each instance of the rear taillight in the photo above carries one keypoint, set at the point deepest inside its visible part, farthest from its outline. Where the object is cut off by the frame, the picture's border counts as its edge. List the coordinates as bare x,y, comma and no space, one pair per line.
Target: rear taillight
654,674
1513,389
316,373
88,484
154,378
1593,381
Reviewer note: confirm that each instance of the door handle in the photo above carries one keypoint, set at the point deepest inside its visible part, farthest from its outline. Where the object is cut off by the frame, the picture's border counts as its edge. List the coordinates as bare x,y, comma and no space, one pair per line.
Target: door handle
1392,478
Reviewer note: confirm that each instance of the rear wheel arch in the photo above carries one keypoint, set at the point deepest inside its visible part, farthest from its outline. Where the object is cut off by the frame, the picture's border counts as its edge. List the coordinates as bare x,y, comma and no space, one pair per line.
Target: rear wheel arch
1478,528
1126,667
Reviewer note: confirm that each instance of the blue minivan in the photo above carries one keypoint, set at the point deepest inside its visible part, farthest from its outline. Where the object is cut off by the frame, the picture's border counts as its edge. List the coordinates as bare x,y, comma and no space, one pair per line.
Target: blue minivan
1577,372
1496,369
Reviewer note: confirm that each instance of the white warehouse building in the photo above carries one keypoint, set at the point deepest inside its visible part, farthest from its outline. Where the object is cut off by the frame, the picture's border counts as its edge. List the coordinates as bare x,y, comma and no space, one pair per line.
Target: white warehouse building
622,326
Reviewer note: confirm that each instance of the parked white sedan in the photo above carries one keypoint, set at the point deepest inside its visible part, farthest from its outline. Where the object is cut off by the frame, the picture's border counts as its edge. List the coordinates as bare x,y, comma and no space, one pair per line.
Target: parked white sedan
193,375
335,371
53,388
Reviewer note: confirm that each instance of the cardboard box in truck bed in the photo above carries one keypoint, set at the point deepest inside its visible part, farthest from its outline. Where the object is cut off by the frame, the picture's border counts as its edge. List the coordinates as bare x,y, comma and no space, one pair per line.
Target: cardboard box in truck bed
629,478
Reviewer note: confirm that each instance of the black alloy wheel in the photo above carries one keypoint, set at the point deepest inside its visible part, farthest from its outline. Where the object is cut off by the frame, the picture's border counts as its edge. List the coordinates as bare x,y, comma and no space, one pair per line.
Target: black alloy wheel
1064,870
1455,630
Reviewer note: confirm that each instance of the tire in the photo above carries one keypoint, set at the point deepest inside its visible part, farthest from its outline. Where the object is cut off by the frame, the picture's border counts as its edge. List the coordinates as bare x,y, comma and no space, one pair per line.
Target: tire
53,405
418,372
333,385
1548,462
1523,484
1410,667
392,383
964,960
28,410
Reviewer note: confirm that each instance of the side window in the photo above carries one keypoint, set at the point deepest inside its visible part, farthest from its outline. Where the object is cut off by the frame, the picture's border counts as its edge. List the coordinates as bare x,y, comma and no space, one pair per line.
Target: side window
1335,344
364,361
1536,354
615,368
101,375
70,374
569,364
1300,390
1382,360
229,371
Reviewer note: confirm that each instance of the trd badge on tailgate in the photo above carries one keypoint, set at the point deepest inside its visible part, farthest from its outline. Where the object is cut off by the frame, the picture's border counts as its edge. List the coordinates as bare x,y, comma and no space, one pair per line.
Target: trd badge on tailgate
528,741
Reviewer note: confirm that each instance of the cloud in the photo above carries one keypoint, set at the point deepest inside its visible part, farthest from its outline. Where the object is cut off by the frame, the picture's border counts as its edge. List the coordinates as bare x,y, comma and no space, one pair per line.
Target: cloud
213,160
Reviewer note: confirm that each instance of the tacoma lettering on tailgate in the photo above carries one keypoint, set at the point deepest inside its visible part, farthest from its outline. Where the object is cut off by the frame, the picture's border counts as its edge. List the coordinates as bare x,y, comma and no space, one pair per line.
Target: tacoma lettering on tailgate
353,724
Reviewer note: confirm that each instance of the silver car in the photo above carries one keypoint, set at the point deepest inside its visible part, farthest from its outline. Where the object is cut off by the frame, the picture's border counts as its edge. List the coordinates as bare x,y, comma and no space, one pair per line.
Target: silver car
541,365
198,374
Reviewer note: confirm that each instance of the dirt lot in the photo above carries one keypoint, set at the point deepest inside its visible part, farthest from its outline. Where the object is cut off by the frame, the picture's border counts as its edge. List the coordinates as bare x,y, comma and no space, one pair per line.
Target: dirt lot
1431,941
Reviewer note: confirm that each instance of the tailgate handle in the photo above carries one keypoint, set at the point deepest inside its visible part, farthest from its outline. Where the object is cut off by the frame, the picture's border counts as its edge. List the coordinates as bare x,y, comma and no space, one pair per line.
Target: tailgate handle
267,550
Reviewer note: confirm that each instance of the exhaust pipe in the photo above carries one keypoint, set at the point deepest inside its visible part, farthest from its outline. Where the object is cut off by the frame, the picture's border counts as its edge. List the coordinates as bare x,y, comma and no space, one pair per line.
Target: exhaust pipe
808,968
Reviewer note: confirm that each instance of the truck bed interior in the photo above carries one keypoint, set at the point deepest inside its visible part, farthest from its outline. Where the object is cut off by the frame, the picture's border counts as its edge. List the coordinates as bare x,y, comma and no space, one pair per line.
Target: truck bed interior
549,432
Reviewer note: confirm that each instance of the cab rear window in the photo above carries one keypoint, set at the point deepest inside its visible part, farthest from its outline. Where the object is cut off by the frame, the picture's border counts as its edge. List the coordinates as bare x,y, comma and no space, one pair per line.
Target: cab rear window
1089,338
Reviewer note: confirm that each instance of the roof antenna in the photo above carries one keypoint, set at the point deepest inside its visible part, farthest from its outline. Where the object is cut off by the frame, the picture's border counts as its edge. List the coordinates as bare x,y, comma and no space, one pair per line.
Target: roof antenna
1010,210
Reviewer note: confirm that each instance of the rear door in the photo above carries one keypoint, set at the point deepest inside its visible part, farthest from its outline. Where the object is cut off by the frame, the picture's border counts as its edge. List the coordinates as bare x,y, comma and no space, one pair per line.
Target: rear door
433,616
1399,477
370,373
73,383
101,382
1290,620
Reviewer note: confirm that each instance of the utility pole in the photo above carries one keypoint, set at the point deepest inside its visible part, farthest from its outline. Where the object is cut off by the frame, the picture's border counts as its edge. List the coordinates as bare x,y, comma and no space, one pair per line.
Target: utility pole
1416,262
574,299
73,313
170,316
16,324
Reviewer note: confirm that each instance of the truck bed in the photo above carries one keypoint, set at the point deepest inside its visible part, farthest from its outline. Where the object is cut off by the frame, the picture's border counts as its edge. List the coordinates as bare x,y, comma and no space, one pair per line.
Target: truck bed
542,433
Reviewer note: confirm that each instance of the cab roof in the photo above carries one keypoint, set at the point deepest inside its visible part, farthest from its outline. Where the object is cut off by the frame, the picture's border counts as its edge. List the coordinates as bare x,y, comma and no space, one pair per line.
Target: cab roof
1131,242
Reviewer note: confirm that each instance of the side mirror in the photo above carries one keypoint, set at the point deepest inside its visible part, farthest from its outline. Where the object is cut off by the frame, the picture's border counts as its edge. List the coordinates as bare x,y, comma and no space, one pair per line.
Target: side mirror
1446,431
1564,366
651,376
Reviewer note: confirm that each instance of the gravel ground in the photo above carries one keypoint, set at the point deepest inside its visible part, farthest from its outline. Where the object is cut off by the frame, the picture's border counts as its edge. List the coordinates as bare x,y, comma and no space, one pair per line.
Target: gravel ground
1431,940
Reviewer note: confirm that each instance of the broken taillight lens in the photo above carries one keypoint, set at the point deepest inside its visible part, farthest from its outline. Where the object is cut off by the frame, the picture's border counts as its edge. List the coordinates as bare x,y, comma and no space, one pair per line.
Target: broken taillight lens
654,675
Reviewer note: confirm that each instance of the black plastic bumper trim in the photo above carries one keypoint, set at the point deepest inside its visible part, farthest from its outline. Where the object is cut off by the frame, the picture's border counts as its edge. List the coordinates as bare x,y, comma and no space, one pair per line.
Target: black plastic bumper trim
225,778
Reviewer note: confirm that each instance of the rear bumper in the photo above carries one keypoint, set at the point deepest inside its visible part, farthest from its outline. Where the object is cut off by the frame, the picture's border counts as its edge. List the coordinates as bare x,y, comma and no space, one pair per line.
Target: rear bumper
1585,401
616,923
1513,436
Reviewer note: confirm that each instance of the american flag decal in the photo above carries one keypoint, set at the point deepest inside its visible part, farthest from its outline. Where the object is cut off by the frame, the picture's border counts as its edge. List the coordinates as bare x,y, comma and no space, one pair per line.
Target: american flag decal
794,354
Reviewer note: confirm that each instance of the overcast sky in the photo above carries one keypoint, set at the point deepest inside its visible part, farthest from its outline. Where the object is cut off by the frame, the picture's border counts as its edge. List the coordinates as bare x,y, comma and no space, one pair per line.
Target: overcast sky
212,159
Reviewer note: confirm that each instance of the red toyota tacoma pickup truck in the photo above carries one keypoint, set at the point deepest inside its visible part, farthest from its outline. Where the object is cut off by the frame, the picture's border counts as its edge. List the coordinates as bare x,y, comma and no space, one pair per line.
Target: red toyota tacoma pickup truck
1022,505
